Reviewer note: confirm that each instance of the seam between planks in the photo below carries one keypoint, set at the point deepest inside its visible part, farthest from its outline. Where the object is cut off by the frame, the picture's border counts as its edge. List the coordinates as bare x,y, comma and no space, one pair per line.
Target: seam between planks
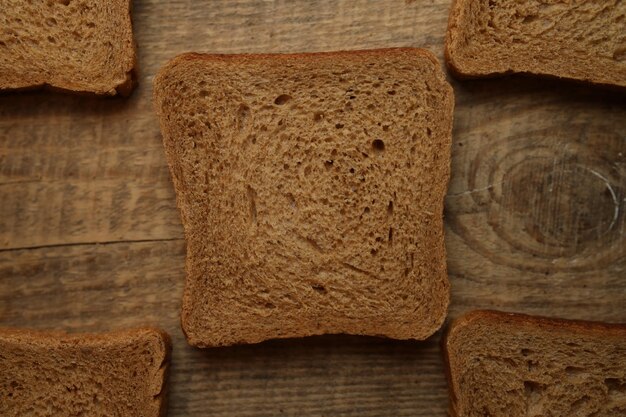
96,243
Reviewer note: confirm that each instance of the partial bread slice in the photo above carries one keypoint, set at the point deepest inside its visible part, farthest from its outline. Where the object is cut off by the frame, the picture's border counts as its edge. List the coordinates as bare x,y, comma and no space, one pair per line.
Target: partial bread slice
72,45
110,374
311,190
580,40
514,365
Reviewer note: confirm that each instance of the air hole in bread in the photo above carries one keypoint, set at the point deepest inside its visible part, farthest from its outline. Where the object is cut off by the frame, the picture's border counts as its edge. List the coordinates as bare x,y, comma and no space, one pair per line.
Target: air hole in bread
532,388
615,385
318,116
203,93
351,170
91,25
391,92
378,145
251,194
282,99
292,201
328,164
390,235
573,370
51,39
318,288
51,21
242,115
534,403
390,209
429,132
339,126
373,252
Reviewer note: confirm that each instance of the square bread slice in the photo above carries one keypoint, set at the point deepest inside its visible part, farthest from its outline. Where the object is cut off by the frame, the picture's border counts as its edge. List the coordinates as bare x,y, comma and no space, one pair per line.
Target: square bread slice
514,365
311,191
577,39
73,45
56,374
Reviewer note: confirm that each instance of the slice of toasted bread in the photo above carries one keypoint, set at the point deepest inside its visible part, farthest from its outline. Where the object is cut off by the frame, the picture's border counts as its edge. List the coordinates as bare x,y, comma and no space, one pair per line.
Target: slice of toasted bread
580,40
311,190
514,365
110,374
81,46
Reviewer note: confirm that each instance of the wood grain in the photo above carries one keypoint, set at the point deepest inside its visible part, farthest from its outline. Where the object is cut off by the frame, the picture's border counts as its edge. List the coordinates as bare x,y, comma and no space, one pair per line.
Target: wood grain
90,238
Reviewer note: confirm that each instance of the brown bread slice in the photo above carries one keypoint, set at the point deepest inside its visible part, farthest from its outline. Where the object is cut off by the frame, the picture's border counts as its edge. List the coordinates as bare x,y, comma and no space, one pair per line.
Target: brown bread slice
72,45
514,365
109,374
579,39
311,190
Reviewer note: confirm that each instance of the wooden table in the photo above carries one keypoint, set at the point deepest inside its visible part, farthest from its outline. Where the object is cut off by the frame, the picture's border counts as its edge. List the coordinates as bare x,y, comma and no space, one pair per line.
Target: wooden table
90,238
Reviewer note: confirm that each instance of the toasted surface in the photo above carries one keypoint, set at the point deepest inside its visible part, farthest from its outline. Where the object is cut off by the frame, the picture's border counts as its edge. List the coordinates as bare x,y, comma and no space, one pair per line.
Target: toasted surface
73,45
503,364
579,39
311,192
109,374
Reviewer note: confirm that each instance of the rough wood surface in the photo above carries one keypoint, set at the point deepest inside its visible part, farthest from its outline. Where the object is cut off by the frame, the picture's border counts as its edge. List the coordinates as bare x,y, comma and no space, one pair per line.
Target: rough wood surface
90,238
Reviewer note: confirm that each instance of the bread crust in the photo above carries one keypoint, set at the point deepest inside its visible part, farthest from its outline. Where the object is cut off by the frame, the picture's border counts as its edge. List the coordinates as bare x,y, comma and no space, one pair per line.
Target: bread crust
124,90
594,328
344,54
61,337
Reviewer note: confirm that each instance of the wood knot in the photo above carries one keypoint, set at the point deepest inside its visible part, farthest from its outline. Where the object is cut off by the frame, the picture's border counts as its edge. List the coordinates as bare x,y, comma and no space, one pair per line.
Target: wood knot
539,207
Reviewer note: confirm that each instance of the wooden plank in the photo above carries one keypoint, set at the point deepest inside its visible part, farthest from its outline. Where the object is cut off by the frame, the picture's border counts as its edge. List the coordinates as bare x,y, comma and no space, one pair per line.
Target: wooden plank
535,214
86,211
101,287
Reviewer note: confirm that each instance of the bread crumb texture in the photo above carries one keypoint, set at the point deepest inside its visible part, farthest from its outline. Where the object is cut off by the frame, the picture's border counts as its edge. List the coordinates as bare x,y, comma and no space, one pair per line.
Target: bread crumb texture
73,45
311,190
510,365
578,39
56,374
